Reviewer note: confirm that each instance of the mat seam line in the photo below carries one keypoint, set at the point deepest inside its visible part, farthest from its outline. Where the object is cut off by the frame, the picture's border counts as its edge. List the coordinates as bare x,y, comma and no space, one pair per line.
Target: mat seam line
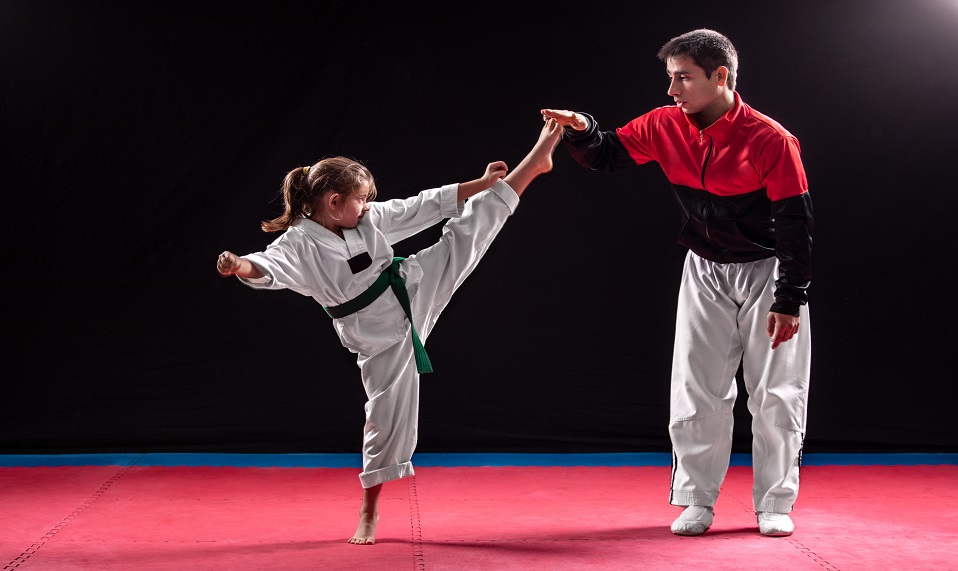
812,555
418,558
22,558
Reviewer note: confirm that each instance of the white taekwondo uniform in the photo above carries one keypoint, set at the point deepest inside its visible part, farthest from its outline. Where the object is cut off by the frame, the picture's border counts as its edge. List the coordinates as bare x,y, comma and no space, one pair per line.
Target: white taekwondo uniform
315,262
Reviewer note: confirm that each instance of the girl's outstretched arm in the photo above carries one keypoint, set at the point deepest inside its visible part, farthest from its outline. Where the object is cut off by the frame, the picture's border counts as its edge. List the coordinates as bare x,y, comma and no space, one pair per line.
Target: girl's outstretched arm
229,264
494,172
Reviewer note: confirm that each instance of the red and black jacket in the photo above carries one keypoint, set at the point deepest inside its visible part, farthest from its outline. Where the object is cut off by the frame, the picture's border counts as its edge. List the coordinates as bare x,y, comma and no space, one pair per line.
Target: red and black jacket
739,183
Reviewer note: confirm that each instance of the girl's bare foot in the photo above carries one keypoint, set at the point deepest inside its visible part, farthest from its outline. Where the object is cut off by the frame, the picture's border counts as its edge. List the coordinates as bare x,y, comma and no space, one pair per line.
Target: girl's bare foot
368,517
366,530
540,157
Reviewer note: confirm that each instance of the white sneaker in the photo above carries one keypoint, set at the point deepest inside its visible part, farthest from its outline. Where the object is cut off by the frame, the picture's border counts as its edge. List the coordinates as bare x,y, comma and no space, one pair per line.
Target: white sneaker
693,521
775,524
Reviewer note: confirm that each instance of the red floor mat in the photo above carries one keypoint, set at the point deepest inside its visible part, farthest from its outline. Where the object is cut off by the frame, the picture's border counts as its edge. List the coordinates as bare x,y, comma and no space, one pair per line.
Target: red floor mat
485,518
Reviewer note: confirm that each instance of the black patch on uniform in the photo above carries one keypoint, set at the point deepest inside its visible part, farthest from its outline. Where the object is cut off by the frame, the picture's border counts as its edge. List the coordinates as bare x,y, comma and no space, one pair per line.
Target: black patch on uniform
360,262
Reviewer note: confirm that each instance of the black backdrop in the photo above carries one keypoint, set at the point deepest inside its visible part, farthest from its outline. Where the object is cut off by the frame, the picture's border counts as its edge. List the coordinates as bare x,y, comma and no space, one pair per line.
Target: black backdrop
141,139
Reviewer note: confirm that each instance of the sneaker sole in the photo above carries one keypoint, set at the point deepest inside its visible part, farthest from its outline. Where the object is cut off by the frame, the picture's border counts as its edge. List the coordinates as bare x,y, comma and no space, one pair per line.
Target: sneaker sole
776,533
689,533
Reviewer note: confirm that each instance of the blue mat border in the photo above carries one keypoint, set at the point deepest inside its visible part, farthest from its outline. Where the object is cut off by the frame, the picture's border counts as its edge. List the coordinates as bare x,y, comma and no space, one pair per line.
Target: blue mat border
424,459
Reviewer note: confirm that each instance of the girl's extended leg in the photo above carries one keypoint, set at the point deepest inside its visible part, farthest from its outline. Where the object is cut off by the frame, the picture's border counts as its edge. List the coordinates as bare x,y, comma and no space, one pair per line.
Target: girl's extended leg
390,378
466,239
368,517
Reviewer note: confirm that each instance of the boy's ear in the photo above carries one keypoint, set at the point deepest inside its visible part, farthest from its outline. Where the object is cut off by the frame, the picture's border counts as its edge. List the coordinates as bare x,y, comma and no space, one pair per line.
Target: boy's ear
721,74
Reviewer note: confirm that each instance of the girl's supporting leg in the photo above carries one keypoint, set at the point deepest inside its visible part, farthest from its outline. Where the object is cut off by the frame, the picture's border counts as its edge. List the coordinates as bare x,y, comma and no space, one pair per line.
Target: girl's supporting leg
391,382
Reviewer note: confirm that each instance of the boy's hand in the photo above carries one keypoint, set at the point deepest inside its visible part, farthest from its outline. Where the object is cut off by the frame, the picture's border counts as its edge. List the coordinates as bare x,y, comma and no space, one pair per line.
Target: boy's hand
781,327
565,118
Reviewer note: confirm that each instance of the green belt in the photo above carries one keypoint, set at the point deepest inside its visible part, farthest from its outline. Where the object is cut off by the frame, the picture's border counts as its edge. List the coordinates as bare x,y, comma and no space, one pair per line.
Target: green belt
389,278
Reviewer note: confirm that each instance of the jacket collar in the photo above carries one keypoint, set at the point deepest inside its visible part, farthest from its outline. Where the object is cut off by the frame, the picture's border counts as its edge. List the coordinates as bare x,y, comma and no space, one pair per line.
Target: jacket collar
726,124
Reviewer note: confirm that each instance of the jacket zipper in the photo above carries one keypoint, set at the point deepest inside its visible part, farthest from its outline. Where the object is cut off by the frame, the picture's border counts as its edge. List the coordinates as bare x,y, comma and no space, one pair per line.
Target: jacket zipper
705,164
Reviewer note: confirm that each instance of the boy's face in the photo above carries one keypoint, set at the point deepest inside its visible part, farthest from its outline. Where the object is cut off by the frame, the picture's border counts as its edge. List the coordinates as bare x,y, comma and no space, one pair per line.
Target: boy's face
692,91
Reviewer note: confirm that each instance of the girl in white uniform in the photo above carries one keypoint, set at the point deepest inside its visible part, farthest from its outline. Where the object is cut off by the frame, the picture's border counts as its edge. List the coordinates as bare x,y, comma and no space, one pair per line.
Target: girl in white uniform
336,247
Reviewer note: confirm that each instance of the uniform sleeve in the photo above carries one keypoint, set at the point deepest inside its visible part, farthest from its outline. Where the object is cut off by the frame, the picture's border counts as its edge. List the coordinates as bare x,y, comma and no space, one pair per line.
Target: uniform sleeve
282,266
399,219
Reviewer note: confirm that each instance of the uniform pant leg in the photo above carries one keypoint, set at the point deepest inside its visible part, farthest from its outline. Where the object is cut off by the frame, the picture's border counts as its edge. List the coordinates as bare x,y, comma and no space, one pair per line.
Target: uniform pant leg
446,264
777,381
390,378
706,356
391,381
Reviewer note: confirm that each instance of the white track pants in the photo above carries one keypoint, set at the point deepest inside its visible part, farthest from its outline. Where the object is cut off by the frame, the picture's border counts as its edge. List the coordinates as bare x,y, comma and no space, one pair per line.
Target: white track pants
721,322
390,378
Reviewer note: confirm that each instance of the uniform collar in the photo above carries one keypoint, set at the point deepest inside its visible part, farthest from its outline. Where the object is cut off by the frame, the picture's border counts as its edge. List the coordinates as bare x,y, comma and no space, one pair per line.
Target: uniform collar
352,241
317,231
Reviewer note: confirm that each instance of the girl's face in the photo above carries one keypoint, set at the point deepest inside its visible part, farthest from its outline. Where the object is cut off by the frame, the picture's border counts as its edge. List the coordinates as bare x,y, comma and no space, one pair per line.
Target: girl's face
353,206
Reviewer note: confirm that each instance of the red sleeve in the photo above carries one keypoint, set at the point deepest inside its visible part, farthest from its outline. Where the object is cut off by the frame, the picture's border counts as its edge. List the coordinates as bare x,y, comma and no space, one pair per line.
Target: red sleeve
635,137
780,167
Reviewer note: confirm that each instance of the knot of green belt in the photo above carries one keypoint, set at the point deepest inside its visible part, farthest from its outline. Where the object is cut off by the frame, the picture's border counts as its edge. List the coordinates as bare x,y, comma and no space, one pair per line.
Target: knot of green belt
389,278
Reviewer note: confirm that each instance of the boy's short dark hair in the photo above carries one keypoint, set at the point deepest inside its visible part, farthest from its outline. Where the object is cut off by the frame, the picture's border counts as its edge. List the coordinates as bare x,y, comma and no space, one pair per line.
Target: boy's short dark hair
707,48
